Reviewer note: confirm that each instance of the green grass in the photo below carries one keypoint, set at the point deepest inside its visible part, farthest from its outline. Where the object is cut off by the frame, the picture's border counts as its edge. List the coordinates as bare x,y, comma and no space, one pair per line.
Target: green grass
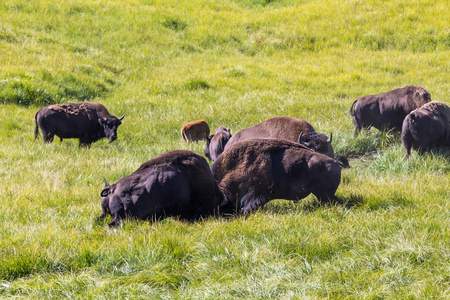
233,63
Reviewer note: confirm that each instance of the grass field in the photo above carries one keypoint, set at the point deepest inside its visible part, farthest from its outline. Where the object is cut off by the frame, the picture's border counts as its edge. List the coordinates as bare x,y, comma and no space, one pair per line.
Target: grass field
233,63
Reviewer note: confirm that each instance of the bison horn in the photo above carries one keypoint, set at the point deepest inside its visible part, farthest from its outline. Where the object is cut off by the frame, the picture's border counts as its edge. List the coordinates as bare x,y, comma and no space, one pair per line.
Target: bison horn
120,119
106,183
331,138
100,117
299,140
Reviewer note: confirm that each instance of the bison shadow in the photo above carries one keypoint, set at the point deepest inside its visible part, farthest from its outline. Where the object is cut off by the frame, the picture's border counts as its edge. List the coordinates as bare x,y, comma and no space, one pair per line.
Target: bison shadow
435,152
370,142
311,204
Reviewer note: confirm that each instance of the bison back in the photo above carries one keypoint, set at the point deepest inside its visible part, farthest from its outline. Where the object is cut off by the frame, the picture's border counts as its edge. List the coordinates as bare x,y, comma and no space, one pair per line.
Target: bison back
281,127
388,110
427,126
204,190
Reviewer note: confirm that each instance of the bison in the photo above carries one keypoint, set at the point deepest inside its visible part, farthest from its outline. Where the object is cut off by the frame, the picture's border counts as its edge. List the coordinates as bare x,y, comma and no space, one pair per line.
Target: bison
253,172
195,131
176,183
286,128
85,121
215,143
426,126
388,110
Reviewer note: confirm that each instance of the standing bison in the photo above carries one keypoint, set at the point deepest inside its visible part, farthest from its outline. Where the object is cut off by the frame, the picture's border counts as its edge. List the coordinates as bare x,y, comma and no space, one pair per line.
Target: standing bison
176,183
215,144
85,121
387,110
195,131
426,126
253,172
286,128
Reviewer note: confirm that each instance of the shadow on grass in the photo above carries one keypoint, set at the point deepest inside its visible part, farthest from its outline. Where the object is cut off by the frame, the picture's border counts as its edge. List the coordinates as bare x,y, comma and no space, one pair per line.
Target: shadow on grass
283,207
349,201
393,201
311,204
437,152
368,142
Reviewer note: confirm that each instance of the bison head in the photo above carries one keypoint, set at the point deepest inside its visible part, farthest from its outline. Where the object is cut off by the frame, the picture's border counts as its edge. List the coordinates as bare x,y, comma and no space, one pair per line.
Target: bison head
317,142
110,207
208,142
110,125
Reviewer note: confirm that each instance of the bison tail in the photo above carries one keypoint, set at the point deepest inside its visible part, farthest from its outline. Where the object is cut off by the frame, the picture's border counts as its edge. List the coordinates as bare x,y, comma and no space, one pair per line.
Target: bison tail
408,135
183,135
36,129
352,108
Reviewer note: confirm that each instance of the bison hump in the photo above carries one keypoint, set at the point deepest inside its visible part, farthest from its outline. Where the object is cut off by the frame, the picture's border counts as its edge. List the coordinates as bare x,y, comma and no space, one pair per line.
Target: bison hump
70,108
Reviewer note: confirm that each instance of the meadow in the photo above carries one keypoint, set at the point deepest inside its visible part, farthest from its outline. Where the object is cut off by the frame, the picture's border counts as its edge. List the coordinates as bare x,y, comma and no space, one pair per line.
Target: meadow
233,63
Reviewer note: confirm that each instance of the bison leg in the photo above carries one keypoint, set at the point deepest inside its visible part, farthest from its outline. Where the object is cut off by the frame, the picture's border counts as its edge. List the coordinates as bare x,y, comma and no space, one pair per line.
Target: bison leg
84,141
357,125
407,140
118,217
48,136
105,209
324,196
101,216
325,189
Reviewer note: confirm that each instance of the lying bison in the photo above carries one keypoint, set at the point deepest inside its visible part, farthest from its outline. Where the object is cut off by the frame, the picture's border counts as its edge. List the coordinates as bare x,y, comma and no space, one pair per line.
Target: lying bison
387,110
286,128
253,172
177,183
426,126
85,121
195,131
215,144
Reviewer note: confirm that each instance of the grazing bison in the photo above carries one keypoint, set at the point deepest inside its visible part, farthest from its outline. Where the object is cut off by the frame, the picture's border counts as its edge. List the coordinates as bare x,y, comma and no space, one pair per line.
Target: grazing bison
176,183
195,131
387,110
426,126
215,144
253,172
85,121
286,128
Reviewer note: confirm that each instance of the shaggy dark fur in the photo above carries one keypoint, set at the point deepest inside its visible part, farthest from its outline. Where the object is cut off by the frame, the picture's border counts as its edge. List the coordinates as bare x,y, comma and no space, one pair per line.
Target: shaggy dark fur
286,128
252,172
176,183
427,126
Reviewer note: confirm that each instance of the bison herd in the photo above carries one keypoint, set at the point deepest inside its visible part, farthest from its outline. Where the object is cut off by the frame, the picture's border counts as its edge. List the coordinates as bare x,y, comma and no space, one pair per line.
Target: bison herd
280,158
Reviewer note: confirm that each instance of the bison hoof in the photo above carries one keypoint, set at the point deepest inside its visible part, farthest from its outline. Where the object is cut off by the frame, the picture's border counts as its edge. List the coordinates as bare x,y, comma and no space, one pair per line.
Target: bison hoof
114,224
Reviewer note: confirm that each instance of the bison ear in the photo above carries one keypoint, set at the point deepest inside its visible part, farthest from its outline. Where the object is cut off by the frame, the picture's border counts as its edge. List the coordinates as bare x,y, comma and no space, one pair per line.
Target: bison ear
105,192
331,138
121,118
103,120
299,140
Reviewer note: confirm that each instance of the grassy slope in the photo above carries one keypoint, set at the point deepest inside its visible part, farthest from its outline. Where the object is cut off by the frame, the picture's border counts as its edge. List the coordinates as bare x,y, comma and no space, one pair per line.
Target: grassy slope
236,63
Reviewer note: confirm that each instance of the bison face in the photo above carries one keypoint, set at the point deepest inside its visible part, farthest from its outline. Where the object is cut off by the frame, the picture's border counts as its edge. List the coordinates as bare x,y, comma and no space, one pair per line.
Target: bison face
208,142
111,205
110,125
317,142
